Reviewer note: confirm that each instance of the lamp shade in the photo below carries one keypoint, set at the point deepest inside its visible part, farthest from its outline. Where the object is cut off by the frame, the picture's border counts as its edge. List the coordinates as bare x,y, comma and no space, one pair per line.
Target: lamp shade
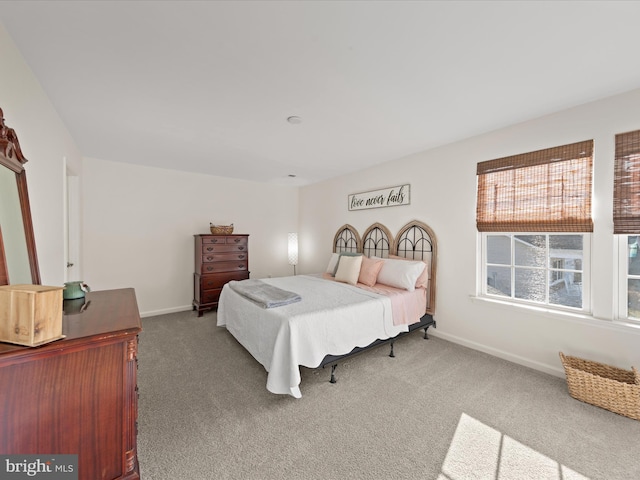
293,249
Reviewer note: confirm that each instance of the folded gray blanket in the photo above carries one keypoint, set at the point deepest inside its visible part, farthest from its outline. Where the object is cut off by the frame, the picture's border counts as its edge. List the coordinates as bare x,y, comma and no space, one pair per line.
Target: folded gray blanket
264,294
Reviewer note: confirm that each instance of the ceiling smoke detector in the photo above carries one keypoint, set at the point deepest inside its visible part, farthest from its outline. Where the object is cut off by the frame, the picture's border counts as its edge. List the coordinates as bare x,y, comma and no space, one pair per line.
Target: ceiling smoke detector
293,120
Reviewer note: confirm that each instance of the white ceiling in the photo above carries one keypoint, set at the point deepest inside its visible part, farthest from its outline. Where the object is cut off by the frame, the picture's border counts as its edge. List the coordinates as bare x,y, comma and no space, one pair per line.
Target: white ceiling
207,86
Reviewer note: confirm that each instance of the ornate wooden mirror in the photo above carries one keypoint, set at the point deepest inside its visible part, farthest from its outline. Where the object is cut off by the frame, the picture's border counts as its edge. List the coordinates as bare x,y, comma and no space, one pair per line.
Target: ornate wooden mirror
18,259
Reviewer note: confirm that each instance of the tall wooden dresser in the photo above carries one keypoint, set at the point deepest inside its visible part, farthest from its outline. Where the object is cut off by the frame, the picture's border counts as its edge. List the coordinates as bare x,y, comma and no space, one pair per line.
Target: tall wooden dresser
78,395
218,260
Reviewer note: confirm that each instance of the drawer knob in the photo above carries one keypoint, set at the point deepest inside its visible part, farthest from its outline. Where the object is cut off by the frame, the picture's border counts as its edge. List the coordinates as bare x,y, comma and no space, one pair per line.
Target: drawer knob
240,248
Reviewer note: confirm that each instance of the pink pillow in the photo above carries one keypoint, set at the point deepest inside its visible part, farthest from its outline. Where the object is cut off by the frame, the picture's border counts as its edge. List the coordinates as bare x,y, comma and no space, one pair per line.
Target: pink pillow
423,279
369,271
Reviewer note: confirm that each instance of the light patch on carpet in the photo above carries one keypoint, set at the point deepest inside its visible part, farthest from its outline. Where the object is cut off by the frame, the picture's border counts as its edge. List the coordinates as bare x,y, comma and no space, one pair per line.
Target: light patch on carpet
479,452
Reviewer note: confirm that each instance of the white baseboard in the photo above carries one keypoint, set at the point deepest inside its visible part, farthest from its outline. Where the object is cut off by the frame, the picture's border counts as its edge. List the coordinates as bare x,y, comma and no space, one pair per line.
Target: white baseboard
164,311
550,369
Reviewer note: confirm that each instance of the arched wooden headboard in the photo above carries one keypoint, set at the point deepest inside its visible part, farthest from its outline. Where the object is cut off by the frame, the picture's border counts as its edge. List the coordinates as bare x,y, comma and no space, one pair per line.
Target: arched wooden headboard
347,240
377,241
417,241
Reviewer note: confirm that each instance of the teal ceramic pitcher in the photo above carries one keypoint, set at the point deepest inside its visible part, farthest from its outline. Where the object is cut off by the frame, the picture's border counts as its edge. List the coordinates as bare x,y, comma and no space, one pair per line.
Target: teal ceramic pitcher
73,290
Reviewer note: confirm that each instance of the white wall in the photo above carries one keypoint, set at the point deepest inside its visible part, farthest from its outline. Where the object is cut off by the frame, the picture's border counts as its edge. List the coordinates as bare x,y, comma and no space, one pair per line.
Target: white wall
443,194
46,143
139,224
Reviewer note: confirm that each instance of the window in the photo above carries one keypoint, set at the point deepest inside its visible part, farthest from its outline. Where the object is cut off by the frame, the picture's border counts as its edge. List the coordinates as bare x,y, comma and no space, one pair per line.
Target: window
534,215
626,221
631,284
544,269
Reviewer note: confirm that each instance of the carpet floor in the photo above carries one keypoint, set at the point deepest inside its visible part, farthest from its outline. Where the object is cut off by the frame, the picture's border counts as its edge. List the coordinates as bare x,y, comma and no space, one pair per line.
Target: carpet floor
436,411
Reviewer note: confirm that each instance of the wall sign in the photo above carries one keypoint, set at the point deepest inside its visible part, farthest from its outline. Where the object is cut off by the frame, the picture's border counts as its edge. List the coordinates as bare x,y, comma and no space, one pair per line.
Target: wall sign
386,197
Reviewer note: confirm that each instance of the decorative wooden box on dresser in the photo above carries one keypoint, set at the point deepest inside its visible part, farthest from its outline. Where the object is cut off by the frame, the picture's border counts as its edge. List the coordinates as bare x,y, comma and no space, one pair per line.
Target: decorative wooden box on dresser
78,395
218,260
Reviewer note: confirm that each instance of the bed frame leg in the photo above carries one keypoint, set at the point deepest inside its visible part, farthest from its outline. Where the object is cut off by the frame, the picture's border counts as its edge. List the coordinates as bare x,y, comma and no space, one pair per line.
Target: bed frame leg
333,375
426,337
391,354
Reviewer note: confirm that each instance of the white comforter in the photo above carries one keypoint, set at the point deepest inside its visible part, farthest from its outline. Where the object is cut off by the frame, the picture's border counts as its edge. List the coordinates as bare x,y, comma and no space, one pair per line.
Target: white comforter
332,319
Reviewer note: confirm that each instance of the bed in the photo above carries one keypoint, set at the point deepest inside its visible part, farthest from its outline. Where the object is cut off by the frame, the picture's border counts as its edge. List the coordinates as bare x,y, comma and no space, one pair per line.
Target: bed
374,290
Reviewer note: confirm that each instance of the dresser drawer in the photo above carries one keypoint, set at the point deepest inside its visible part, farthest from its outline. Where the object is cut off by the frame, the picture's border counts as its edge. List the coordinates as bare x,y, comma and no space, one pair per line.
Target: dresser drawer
210,296
222,239
224,256
217,267
237,240
217,280
223,248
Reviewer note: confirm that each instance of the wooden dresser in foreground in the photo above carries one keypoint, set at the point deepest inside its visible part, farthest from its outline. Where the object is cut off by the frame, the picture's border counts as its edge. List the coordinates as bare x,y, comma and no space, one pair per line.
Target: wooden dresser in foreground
218,260
78,395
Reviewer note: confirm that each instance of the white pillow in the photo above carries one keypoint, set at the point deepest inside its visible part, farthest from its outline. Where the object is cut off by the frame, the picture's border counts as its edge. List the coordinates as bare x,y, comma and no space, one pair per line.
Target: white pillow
333,263
349,269
401,273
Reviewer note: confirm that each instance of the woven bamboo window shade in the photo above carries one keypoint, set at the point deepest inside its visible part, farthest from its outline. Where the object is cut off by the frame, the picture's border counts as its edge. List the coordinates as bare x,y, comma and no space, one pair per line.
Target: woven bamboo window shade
626,184
544,191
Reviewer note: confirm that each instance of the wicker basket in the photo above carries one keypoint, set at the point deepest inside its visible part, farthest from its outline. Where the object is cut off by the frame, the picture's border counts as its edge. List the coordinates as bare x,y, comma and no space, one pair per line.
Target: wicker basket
607,387
221,229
